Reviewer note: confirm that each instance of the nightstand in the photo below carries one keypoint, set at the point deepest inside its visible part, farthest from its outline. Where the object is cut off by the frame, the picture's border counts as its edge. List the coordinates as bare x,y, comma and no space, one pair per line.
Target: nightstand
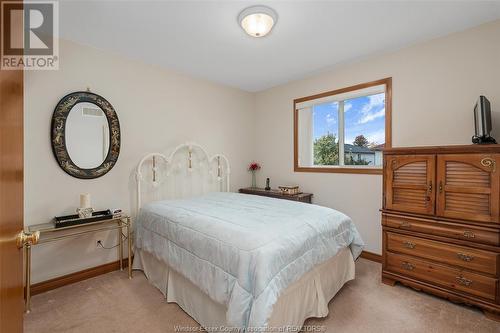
47,232
302,197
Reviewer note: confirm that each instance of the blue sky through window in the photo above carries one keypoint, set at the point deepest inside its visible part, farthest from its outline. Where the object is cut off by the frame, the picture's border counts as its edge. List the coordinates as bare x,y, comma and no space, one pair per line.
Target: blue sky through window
326,119
362,115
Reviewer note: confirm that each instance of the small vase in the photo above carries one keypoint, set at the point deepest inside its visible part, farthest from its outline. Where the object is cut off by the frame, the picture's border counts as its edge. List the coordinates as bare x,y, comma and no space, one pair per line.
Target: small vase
254,180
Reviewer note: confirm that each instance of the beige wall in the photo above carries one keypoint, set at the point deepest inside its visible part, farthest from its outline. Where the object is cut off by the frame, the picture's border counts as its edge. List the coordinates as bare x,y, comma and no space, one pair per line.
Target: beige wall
435,85
158,110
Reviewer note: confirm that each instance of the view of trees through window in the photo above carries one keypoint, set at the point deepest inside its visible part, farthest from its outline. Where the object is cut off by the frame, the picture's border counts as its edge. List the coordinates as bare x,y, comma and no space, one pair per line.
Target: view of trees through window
363,130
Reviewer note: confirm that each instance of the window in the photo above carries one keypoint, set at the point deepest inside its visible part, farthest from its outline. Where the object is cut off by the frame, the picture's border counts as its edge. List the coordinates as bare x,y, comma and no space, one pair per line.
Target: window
343,130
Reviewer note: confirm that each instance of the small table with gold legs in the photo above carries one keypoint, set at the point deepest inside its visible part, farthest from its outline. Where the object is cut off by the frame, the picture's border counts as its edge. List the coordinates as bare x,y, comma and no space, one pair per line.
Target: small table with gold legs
47,232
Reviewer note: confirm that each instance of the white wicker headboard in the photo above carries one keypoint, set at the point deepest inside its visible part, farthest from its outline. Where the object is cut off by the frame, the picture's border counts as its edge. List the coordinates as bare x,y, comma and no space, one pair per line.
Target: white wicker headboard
188,171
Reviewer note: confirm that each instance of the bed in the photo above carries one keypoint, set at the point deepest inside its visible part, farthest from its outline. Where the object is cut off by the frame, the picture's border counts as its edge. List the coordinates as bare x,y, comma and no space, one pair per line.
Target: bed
238,261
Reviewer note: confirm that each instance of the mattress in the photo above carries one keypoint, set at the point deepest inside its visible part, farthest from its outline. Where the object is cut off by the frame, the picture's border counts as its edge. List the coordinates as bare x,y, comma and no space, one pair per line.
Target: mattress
243,251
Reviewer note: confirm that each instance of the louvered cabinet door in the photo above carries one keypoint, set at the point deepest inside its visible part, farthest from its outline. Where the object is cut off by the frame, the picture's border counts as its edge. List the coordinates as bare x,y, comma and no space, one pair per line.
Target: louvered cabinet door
468,187
409,183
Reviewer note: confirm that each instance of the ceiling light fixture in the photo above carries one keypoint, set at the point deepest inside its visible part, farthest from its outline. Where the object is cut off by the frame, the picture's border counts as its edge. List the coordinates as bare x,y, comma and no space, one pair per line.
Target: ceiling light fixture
257,21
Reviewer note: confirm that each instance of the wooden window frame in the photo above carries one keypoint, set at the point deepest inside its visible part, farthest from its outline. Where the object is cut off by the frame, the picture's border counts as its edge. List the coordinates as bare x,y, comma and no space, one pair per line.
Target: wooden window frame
345,169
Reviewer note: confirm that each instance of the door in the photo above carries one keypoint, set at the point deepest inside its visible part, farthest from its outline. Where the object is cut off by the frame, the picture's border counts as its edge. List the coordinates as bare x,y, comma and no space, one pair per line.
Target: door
11,200
409,183
468,186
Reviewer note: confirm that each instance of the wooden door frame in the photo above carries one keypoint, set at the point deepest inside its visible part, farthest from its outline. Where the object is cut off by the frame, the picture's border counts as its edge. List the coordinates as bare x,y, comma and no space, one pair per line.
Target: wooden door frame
11,199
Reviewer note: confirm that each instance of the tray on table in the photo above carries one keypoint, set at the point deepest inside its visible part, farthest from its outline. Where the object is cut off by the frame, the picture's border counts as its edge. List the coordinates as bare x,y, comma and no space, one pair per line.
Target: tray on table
69,220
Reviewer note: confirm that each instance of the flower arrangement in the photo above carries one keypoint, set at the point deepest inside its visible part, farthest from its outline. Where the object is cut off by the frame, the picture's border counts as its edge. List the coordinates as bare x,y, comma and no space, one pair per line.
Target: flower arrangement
253,168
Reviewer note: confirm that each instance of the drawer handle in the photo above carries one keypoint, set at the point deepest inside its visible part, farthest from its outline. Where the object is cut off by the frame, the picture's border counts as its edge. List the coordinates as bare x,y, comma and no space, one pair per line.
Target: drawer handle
406,265
465,257
409,245
405,224
463,281
469,234
429,192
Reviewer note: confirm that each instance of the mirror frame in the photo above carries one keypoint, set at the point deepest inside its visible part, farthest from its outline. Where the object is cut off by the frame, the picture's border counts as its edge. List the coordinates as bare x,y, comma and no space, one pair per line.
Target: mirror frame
58,132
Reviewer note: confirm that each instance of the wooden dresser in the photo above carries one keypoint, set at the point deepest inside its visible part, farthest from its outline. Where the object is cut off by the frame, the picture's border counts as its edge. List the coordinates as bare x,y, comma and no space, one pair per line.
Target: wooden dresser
440,222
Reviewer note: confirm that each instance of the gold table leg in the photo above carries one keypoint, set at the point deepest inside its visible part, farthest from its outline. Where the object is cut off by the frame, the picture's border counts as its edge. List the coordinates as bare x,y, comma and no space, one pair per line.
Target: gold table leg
120,244
34,240
28,277
129,239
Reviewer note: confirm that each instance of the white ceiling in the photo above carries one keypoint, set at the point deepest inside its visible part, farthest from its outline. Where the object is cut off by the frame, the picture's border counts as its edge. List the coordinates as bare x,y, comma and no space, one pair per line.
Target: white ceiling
203,38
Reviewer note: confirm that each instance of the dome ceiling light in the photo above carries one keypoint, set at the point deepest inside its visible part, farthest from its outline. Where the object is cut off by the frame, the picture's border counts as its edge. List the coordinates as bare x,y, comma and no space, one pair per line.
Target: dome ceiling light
257,21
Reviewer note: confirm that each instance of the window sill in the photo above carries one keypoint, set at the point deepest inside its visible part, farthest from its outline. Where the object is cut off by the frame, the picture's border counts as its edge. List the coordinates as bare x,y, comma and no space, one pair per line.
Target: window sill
368,171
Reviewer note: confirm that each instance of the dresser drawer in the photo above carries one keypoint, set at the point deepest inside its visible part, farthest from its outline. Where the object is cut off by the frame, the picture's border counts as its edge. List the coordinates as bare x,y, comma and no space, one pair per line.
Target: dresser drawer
446,229
451,278
466,257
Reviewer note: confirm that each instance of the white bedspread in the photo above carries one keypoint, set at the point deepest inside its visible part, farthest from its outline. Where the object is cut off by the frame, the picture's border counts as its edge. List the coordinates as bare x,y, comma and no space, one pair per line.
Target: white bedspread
243,250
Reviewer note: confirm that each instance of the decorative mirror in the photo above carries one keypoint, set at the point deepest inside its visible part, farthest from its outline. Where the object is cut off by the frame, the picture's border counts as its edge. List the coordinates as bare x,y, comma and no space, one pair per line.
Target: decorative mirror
85,135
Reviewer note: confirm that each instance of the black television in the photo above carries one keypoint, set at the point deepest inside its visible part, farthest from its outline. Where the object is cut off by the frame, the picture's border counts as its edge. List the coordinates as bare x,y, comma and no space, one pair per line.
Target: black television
482,122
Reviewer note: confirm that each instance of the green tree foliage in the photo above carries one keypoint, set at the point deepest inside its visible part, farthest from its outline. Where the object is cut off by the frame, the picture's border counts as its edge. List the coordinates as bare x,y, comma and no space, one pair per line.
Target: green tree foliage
326,150
360,141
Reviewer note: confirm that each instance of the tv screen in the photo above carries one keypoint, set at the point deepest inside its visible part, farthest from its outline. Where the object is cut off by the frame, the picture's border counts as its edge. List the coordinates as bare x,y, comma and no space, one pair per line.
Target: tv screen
482,117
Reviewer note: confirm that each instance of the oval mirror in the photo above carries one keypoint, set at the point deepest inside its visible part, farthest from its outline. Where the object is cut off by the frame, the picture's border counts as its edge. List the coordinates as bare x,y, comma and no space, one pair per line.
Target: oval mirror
85,135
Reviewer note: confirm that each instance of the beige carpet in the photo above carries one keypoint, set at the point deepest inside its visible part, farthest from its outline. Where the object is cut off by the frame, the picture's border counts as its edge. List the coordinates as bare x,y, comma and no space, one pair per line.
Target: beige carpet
112,303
